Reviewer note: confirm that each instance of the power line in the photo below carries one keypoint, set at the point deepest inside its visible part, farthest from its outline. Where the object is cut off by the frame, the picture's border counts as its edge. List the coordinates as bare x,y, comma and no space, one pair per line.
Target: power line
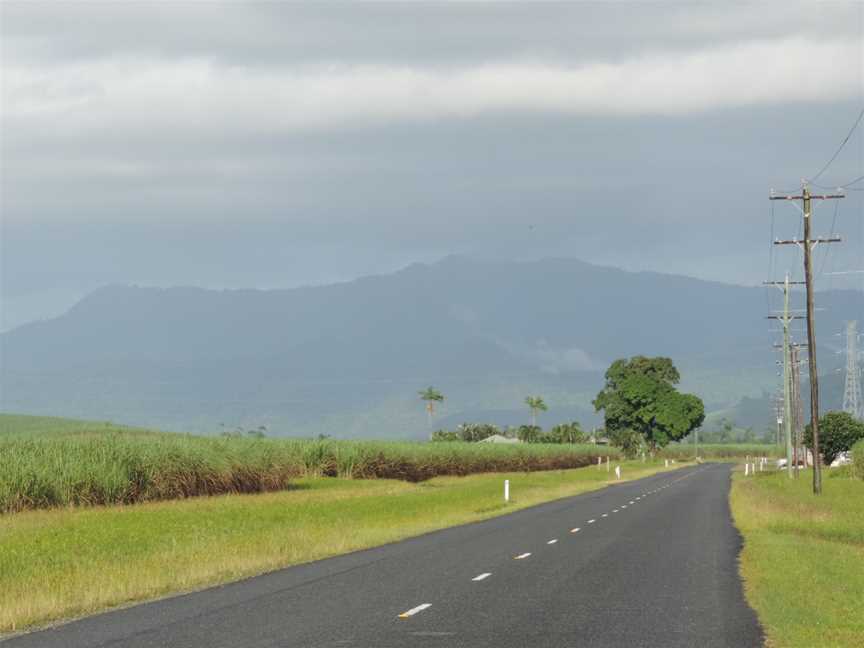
843,186
833,230
839,148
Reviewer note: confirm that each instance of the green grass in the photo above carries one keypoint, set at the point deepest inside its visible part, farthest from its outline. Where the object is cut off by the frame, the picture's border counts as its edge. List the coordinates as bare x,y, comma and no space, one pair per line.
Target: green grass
803,557
66,562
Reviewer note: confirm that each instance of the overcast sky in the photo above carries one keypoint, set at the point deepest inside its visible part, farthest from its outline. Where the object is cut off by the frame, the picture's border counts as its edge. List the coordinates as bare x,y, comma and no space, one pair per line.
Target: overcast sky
268,145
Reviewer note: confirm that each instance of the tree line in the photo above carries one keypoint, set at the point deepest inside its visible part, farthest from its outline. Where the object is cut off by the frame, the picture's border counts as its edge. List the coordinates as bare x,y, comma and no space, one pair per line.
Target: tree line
642,409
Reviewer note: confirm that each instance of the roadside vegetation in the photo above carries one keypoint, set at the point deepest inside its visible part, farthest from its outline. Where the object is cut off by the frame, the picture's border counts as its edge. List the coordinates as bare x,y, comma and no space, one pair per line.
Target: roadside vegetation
838,432
803,556
472,432
84,464
721,451
66,562
642,409
858,459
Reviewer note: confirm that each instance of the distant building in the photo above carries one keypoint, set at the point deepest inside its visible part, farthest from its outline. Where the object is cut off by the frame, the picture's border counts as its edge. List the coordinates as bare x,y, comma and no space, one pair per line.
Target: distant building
498,438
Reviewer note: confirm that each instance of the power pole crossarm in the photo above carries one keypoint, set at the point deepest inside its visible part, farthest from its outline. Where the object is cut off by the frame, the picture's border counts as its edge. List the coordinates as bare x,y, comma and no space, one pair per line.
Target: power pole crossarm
808,243
813,241
805,195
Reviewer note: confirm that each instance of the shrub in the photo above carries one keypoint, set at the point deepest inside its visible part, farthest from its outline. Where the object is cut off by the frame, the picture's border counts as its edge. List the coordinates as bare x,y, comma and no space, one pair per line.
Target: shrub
565,433
530,433
477,431
445,435
838,432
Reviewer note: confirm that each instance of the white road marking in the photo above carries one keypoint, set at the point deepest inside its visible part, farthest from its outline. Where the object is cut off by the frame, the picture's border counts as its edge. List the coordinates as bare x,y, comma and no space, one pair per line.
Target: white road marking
614,510
605,515
522,556
591,521
482,576
623,506
553,541
576,530
414,611
632,502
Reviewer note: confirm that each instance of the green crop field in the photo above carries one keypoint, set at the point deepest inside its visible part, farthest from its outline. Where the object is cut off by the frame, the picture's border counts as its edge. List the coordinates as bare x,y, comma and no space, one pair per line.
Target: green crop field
722,451
803,557
47,463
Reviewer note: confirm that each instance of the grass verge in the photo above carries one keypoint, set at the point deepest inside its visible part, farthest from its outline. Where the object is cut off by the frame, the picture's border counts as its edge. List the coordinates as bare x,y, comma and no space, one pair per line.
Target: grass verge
803,557
61,563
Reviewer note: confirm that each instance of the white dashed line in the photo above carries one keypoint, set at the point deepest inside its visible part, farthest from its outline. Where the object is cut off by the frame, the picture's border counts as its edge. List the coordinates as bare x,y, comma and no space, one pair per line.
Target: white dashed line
522,556
623,506
632,502
553,541
591,521
576,530
414,611
482,576
605,515
614,510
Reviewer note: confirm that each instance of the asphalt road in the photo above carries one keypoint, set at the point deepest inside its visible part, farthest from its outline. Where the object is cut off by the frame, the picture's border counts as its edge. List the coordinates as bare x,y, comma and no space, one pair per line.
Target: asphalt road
645,563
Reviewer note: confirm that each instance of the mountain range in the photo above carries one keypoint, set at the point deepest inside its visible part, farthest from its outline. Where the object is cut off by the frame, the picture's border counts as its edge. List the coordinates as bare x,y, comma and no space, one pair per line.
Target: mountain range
348,359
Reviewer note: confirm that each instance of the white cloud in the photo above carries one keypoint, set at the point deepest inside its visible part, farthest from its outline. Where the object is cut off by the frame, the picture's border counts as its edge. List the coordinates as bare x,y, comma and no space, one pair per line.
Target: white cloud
183,98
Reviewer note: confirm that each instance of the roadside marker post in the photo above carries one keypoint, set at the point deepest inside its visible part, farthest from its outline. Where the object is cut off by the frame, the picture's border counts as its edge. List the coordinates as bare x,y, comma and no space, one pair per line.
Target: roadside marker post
599,462
746,469
506,490
618,472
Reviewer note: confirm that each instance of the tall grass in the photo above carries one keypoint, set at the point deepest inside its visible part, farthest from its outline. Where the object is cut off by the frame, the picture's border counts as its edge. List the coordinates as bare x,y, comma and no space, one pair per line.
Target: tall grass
721,450
118,467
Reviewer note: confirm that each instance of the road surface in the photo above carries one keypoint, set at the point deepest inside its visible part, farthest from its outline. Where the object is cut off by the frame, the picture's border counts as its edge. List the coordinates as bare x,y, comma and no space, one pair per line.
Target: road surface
645,563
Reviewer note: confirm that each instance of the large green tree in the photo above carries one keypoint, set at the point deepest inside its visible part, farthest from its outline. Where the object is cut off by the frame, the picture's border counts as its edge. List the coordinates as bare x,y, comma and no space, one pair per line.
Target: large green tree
639,398
838,432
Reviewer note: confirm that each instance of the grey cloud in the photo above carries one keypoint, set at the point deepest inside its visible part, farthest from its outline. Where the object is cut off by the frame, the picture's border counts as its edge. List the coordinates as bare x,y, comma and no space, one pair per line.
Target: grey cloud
150,190
262,33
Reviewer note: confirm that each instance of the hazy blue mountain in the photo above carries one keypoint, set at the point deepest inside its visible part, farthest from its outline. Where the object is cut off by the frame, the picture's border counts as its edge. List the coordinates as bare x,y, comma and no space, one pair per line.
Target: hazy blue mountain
348,359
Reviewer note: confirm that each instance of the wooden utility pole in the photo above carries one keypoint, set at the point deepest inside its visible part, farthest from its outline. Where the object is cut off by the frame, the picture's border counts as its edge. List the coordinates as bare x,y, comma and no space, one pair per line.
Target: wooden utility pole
808,243
797,409
786,319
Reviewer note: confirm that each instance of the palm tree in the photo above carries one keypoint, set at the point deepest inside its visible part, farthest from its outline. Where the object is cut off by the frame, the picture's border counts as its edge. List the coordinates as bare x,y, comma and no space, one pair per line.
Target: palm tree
431,396
537,405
